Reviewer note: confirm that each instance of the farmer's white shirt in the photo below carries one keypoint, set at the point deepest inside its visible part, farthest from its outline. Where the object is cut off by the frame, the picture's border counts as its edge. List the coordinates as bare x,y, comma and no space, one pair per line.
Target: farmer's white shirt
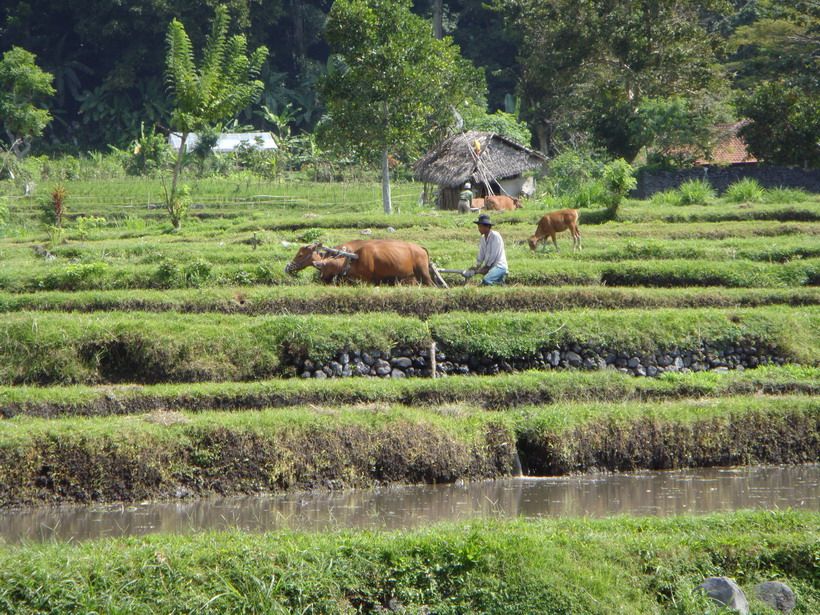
491,251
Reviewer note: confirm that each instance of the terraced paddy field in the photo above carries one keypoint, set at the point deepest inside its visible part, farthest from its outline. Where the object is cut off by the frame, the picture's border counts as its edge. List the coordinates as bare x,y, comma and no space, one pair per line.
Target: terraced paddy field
141,364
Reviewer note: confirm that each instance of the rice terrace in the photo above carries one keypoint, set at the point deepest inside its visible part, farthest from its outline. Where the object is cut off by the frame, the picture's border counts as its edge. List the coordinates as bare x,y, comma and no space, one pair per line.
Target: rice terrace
303,372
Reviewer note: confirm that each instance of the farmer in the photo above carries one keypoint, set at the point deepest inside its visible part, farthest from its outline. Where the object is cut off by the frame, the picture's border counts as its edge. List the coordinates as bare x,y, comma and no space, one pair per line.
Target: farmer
492,259
465,199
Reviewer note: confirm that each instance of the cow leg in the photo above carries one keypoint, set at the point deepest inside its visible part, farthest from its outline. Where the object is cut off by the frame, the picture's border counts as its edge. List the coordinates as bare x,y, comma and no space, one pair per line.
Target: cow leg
423,276
554,241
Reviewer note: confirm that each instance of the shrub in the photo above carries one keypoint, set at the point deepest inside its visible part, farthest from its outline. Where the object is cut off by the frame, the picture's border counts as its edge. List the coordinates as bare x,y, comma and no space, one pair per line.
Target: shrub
572,169
170,274
150,153
177,204
77,276
747,190
85,224
667,197
310,235
53,207
619,180
785,195
696,192
56,235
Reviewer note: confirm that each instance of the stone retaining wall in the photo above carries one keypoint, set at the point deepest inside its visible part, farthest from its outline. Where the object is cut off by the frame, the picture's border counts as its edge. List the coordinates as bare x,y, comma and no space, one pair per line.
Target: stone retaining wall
402,363
650,182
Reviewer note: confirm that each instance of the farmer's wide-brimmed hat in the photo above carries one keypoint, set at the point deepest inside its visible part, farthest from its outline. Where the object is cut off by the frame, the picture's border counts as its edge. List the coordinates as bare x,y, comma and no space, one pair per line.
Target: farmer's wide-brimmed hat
483,219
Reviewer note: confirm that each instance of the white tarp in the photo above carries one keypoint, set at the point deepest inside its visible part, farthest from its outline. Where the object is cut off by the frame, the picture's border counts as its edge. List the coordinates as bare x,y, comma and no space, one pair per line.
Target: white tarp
229,141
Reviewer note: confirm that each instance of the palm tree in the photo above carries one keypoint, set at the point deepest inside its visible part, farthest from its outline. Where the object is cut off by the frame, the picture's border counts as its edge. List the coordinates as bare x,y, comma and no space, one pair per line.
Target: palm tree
208,95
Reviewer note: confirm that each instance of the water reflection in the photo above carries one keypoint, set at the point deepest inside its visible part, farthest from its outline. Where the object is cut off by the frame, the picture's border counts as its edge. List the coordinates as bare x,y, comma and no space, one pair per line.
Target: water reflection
598,495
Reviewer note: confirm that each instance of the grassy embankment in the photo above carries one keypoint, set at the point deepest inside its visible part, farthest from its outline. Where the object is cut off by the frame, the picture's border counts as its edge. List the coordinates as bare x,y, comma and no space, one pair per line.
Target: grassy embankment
132,458
641,566
491,392
111,347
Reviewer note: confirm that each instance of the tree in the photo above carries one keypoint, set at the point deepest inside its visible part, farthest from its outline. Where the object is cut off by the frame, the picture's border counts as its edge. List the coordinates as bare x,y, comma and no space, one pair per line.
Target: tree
210,94
586,65
392,85
678,130
776,62
785,124
22,86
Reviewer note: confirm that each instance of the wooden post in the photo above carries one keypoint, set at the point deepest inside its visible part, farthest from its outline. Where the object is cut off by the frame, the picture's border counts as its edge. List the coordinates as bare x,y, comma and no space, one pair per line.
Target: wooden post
433,359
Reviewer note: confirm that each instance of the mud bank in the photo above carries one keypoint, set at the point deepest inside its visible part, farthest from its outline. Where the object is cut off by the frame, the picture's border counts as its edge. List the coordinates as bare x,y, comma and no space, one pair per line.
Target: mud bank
166,455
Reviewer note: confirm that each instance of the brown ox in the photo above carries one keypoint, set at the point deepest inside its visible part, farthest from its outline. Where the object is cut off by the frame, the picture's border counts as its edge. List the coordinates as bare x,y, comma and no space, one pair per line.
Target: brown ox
557,222
377,261
501,203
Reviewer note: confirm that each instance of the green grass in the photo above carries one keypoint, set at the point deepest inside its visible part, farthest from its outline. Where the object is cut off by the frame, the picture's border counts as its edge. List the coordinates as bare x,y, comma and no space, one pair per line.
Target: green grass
131,458
493,392
555,566
51,348
420,302
516,335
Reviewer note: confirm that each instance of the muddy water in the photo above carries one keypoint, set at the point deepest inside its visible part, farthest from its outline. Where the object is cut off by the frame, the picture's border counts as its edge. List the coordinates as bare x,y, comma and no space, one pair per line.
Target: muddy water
645,493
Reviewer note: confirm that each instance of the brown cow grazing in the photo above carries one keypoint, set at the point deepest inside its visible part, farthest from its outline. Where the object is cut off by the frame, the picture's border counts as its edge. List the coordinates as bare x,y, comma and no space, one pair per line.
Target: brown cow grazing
501,203
557,222
375,261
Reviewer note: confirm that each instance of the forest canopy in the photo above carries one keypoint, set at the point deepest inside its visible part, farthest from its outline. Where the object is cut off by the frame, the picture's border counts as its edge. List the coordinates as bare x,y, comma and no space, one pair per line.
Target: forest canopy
579,71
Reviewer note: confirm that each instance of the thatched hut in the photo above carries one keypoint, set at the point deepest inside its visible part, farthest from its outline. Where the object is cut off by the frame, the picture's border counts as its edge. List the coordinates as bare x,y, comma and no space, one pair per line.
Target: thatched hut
492,163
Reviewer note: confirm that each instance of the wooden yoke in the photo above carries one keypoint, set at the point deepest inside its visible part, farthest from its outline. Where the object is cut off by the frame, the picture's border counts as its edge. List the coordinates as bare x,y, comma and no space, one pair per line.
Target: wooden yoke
337,252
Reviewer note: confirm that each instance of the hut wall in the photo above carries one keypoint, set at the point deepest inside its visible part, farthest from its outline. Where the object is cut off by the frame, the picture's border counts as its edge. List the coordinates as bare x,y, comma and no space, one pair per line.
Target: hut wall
448,198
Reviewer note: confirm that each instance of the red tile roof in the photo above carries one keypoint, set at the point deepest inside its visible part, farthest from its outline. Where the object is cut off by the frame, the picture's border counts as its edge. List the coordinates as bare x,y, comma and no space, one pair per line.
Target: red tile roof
730,147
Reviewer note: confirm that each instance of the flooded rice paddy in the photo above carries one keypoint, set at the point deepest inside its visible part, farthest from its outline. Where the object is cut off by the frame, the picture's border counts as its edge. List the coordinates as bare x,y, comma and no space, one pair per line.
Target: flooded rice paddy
692,491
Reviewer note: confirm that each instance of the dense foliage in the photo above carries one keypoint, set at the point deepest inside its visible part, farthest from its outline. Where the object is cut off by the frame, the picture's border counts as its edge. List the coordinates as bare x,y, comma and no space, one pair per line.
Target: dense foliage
622,75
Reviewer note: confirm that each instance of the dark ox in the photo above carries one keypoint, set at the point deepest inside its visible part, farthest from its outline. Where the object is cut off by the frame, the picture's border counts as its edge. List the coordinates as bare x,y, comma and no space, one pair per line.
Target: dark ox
376,261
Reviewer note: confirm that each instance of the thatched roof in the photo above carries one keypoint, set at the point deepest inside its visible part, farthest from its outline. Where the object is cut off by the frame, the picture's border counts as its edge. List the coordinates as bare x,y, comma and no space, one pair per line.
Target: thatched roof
454,161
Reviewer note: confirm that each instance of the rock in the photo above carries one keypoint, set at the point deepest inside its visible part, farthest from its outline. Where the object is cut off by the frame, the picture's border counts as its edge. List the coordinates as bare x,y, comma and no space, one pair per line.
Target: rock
573,358
319,374
336,368
721,370
678,363
344,358
362,368
555,358
652,371
633,363
309,365
726,592
368,360
401,362
390,229
776,595
306,374
382,368
397,373
639,371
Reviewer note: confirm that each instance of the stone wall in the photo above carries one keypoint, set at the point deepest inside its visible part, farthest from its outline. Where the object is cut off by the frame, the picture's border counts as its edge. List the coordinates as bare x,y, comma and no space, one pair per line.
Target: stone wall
402,363
650,182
